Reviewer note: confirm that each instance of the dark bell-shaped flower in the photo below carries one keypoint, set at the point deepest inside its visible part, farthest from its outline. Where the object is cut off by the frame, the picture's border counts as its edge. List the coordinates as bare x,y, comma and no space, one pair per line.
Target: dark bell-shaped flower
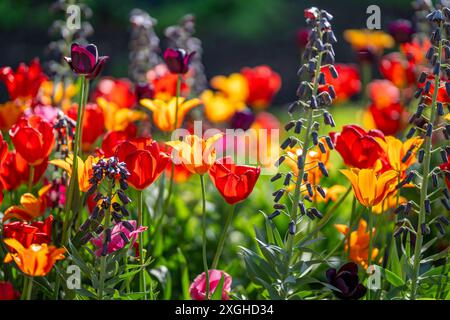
242,119
144,91
402,30
84,60
177,60
347,281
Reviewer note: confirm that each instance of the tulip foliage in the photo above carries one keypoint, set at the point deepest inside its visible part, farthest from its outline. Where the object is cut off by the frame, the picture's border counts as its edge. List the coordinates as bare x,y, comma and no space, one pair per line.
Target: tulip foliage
164,186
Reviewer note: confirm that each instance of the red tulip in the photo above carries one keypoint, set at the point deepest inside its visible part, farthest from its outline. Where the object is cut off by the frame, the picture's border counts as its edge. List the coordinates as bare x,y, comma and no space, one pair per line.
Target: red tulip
118,91
446,167
357,147
38,232
15,170
263,83
112,139
7,291
25,82
398,70
144,161
346,85
164,83
33,138
234,182
388,119
383,93
93,124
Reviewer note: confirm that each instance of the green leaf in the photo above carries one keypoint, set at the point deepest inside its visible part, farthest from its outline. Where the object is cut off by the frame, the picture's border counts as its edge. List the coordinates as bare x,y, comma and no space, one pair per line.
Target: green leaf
217,295
391,277
184,275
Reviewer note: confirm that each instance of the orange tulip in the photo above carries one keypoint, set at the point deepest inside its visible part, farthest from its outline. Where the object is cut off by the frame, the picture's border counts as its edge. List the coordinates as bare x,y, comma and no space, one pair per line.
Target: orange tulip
84,169
196,154
10,112
359,243
370,189
164,112
397,151
37,260
118,118
30,206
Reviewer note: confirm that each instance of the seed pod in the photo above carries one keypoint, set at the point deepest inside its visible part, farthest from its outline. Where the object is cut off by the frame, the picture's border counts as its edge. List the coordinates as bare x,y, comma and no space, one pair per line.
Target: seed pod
274,214
421,154
85,226
276,177
302,208
298,127
310,214
444,220
280,161
293,142
427,204
85,239
316,213
287,179
124,211
315,137
443,154
323,169
400,209
418,93
436,69
108,236
329,143
305,177
447,88
321,79
291,107
445,203
279,194
332,92
429,130
321,191
104,250
286,143
440,228
430,53
292,227
99,229
407,156
422,77
307,198
434,180
426,88
128,226
408,208
411,133
124,237
309,189
313,102
440,109
424,228
123,197
289,125
446,193
299,162
279,206
322,147
398,232
333,72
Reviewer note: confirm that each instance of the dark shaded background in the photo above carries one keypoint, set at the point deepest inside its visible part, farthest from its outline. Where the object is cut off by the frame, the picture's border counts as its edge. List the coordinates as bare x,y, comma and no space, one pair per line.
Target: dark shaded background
235,33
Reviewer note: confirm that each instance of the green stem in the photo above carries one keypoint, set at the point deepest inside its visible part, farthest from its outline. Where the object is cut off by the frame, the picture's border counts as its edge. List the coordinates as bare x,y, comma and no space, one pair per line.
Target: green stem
369,257
205,259
31,178
27,288
424,188
301,171
73,184
223,236
172,171
103,258
142,280
352,216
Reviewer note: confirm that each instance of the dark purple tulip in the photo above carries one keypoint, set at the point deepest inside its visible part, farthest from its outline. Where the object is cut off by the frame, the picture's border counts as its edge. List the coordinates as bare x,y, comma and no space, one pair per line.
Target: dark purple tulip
84,60
144,91
347,281
402,30
242,119
177,60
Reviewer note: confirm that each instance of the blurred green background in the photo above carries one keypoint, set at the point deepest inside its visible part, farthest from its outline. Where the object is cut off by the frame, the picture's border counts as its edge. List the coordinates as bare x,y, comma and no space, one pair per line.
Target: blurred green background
235,33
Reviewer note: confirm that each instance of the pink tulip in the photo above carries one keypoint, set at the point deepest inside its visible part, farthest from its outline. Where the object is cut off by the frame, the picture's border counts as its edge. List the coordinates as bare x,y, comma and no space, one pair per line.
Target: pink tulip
117,242
197,289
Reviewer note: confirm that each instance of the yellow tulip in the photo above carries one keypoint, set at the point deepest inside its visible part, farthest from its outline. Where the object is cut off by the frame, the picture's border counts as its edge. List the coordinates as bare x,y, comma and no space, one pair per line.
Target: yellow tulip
164,112
218,108
396,151
57,93
371,189
196,154
363,39
84,169
235,86
116,118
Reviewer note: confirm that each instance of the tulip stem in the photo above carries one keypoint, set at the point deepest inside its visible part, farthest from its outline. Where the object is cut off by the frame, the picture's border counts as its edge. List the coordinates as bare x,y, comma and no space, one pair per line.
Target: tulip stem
142,280
27,288
425,173
369,257
73,184
175,125
104,254
205,259
350,225
31,178
223,236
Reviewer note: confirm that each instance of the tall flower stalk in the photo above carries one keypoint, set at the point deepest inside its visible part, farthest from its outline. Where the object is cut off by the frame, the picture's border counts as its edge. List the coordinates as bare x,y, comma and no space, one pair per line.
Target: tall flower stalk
429,93
314,95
